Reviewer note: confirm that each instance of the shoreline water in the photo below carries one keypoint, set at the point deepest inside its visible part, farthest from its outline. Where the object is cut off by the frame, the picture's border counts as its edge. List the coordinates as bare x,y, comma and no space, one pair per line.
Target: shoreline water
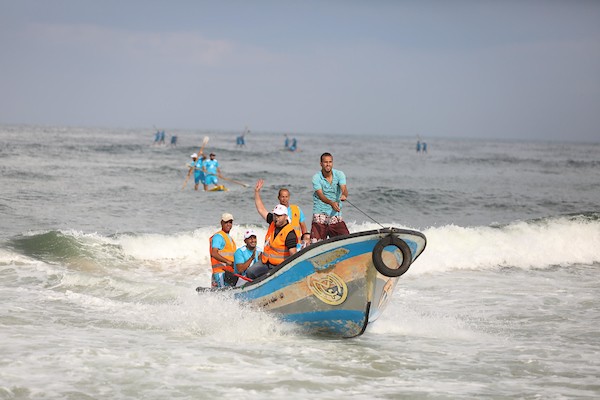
100,252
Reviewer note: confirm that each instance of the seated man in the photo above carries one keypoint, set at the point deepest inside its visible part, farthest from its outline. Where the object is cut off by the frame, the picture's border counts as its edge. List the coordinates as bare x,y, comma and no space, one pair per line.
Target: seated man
304,242
222,248
280,242
295,214
245,257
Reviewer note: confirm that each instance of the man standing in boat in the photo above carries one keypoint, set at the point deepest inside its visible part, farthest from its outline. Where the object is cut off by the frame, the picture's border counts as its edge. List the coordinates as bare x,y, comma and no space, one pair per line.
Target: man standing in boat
222,249
330,190
280,242
295,214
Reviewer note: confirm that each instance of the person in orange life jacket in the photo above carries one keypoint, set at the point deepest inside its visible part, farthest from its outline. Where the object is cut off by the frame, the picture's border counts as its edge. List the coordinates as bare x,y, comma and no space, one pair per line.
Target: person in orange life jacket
295,214
222,248
280,243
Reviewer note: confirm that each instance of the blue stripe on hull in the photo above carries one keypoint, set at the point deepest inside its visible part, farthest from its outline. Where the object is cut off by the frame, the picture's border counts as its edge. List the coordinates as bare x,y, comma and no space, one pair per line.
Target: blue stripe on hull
346,323
299,272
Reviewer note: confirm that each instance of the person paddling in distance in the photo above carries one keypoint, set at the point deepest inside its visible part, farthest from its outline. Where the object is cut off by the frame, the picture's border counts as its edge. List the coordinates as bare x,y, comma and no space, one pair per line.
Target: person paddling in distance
212,171
295,214
280,243
246,256
196,168
330,190
222,249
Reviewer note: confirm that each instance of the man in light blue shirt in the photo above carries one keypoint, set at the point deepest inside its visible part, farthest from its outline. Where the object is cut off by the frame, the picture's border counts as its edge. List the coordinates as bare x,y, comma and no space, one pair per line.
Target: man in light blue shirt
211,170
246,256
330,190
196,167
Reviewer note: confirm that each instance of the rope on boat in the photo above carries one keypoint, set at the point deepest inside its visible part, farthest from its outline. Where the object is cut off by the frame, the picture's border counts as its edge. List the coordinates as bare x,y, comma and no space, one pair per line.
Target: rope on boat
372,219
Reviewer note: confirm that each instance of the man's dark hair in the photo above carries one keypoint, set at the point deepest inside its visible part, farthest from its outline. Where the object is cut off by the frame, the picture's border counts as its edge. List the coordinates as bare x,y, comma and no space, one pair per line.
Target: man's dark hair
325,155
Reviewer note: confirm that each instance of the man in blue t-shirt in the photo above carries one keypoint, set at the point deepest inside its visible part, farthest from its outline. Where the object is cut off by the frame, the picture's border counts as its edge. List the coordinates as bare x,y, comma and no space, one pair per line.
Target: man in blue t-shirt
196,167
247,255
211,170
330,190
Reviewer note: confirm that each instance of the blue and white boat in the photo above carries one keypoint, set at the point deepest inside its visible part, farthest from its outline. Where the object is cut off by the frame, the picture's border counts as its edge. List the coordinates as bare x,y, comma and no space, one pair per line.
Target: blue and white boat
338,286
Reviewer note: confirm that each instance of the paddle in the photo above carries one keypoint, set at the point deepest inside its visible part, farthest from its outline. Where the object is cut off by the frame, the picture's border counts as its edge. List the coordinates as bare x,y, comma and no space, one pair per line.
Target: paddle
186,179
204,142
234,181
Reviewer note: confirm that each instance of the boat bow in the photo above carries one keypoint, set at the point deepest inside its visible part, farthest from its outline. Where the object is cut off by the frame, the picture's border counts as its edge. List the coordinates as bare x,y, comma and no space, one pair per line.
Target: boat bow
337,286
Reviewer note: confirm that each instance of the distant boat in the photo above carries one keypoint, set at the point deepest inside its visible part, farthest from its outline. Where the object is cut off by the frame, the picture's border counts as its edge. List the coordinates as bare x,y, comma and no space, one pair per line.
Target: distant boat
338,286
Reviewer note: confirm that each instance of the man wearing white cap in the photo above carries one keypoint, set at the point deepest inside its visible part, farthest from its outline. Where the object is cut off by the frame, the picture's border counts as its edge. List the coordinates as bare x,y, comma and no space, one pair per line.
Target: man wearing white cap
247,255
280,242
295,214
222,248
196,166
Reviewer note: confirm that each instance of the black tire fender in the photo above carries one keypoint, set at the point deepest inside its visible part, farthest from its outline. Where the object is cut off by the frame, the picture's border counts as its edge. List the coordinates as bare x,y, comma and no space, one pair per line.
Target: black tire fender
378,259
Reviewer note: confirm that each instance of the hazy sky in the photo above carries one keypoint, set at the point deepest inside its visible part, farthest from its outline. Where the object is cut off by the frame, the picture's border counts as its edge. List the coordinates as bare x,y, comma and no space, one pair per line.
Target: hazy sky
491,69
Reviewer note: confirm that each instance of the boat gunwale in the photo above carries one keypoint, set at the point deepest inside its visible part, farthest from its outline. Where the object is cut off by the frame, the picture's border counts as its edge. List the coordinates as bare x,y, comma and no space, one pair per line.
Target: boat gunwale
389,230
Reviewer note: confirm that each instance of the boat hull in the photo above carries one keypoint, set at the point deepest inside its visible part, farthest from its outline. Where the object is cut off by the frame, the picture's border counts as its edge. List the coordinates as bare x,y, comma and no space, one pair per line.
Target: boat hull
338,286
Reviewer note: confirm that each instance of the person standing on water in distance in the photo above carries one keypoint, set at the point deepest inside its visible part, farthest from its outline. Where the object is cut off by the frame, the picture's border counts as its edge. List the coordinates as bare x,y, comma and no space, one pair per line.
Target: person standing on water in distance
196,167
222,249
212,171
330,189
295,214
294,145
280,242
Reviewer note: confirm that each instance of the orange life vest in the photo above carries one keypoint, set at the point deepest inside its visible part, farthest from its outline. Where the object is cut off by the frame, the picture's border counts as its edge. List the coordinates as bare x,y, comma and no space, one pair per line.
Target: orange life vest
295,221
275,251
226,252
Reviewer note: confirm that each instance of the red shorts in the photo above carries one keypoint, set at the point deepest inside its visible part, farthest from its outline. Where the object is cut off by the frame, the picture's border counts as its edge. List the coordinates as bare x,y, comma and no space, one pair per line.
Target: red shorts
323,231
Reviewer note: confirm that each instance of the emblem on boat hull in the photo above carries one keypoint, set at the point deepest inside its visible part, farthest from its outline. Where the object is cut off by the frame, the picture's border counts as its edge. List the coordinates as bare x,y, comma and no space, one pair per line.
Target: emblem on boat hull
330,289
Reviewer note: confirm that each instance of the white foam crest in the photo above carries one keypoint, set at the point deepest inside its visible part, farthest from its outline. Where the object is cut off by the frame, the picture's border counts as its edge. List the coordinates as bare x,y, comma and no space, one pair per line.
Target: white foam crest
90,238
11,258
183,246
353,226
539,244
160,247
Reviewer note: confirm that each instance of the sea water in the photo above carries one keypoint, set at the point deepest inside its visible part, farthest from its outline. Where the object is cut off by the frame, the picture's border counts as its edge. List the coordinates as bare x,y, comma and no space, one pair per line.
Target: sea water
102,247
